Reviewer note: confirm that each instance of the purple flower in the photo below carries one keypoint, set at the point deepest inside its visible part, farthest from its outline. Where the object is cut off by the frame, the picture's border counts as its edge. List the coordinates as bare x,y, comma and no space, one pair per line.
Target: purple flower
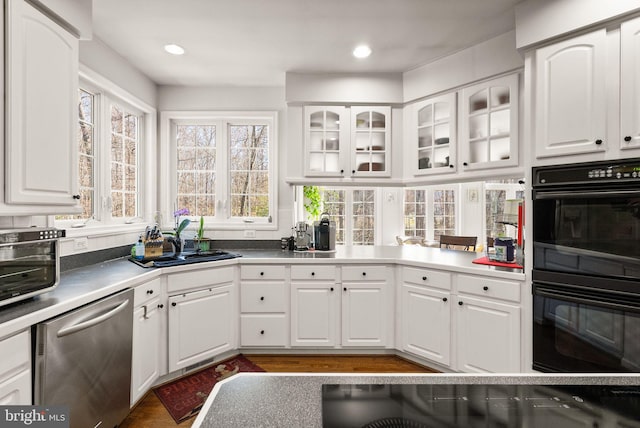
181,211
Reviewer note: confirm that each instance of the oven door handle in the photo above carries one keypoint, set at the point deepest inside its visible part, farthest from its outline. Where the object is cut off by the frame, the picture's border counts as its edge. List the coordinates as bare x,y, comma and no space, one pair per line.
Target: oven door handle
585,194
594,299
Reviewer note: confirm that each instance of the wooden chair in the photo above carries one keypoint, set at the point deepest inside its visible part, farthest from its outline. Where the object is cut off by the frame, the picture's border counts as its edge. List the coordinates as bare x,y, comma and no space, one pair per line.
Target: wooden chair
452,242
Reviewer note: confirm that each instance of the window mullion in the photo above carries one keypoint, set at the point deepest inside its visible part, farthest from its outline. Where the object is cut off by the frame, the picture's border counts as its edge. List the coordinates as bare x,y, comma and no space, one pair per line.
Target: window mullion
103,147
223,203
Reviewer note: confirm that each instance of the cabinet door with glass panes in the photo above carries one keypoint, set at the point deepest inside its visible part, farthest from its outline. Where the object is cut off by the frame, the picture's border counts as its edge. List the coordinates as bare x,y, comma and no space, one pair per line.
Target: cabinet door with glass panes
435,133
371,141
326,131
489,124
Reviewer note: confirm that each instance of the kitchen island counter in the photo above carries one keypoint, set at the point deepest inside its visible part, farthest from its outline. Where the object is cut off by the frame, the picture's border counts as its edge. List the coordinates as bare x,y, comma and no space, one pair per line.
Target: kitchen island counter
295,400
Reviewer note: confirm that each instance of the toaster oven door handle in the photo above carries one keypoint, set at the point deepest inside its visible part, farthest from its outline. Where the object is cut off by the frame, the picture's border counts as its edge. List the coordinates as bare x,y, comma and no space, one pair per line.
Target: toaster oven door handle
67,330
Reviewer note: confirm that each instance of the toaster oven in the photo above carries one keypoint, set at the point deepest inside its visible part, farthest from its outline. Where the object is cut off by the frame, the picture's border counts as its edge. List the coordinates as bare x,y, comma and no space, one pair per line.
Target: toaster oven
29,262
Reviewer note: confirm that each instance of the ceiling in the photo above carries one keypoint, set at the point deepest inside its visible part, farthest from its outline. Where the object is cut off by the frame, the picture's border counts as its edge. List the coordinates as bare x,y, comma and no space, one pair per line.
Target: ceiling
254,42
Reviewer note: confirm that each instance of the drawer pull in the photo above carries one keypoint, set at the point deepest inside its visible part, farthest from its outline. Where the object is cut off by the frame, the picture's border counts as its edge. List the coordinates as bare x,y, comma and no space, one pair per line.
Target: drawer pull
160,306
313,274
261,273
485,288
364,274
261,331
331,288
345,288
173,304
261,297
424,278
460,303
444,299
149,291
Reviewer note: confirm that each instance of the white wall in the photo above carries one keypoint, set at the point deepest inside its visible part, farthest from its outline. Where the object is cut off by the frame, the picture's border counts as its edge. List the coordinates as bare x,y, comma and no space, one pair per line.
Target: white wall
100,58
484,60
244,99
540,20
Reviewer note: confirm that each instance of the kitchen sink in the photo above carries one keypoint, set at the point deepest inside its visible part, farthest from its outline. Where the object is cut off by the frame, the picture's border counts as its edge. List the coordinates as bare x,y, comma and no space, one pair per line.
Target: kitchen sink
185,258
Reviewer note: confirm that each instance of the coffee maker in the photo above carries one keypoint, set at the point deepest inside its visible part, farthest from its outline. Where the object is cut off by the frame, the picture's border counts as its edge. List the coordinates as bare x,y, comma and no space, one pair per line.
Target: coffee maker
324,233
303,236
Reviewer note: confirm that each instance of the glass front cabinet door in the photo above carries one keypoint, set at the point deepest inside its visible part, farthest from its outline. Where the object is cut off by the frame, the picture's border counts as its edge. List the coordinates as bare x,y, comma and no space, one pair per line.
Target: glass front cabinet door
371,141
434,132
326,135
489,124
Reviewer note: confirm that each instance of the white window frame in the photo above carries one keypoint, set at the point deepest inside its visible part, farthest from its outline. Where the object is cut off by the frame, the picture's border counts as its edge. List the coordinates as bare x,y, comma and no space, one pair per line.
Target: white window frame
221,119
429,198
106,92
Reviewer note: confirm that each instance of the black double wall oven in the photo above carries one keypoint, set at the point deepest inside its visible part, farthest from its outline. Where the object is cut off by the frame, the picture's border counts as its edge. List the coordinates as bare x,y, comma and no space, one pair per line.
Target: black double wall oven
586,267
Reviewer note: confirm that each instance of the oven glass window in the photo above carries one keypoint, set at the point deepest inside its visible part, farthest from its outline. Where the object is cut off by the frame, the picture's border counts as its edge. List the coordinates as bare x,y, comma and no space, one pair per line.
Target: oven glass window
588,235
583,336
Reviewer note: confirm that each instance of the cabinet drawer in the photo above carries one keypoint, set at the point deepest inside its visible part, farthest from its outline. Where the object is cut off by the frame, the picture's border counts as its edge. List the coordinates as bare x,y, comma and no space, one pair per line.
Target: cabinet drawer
16,355
364,273
146,291
262,298
263,330
199,278
427,277
313,272
489,287
262,272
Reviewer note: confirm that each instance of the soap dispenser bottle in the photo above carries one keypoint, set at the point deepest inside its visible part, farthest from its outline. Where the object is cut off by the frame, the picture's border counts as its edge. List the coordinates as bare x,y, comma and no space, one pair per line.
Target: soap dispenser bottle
139,250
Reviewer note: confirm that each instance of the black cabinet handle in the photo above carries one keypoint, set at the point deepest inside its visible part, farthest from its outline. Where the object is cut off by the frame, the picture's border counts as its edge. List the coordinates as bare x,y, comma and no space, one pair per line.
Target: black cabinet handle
345,288
342,171
149,291
424,278
76,196
460,303
261,297
444,299
173,304
598,142
364,274
627,138
353,171
450,166
331,288
261,331
485,288
313,274
465,164
160,306
261,273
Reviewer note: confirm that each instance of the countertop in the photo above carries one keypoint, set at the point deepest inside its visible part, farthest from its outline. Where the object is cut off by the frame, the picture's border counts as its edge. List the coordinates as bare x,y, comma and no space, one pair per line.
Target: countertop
288,400
84,285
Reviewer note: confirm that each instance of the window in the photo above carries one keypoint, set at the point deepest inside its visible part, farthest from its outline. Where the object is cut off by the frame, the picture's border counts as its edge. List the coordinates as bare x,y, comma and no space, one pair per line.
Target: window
430,212
222,167
354,211
111,126
499,198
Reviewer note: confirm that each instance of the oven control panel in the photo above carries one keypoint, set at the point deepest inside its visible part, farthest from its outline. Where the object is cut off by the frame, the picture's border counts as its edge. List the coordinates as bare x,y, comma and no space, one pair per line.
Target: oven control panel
596,172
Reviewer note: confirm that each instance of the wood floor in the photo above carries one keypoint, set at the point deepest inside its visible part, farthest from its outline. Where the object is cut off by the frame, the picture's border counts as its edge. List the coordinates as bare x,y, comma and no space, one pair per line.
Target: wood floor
150,413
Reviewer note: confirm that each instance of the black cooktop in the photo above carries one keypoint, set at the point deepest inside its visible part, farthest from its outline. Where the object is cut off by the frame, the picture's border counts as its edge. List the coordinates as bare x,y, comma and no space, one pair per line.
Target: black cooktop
486,405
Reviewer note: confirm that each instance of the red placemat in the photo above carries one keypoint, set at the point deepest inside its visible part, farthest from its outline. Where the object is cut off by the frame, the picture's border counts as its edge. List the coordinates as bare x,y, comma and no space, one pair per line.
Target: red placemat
485,261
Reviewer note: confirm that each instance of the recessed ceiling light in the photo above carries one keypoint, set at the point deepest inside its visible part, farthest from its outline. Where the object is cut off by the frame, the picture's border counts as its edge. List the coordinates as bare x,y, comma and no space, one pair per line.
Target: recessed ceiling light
174,49
362,51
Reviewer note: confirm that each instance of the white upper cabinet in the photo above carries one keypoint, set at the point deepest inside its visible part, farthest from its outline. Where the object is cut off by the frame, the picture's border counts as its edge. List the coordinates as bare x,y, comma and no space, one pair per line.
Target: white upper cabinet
489,124
370,141
433,135
570,96
347,142
630,85
41,111
326,132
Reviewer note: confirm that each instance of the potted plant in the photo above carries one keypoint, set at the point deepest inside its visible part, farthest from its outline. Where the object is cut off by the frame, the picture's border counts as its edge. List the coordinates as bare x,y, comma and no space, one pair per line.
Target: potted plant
202,243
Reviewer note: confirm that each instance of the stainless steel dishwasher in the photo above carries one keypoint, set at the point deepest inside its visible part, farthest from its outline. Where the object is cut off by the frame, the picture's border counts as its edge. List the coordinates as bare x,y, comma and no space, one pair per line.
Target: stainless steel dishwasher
83,361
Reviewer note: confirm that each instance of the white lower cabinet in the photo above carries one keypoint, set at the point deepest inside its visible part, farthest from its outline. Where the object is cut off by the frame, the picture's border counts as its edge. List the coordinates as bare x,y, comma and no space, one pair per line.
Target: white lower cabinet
426,314
488,325
202,323
147,333
263,306
15,370
354,312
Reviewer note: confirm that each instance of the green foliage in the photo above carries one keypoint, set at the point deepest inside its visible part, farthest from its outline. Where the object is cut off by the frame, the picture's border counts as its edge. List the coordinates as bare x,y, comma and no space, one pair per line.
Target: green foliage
200,231
312,201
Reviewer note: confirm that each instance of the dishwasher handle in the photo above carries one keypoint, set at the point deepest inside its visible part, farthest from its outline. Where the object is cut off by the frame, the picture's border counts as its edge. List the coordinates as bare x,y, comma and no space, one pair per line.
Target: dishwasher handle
65,331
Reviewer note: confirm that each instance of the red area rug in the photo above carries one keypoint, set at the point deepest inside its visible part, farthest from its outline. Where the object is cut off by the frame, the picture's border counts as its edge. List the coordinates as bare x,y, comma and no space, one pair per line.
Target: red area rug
184,397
